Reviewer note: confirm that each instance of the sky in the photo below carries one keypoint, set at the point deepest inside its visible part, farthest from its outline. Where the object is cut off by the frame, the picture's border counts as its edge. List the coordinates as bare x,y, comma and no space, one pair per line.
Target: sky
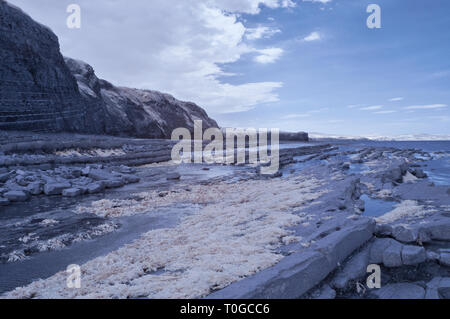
296,65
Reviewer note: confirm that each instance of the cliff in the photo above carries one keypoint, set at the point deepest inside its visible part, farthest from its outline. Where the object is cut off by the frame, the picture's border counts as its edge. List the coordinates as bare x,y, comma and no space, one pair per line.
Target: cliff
37,90
41,91
133,112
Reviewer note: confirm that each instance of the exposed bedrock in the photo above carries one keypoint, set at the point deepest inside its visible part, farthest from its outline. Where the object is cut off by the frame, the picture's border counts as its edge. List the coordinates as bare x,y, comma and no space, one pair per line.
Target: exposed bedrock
296,274
37,90
138,113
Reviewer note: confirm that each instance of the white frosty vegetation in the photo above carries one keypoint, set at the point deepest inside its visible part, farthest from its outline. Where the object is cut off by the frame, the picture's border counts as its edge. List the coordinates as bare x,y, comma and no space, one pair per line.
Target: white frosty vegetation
405,209
235,234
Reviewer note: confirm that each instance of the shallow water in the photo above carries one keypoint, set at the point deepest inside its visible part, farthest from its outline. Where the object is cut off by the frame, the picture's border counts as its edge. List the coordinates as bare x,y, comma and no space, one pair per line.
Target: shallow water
21,224
438,170
46,264
376,207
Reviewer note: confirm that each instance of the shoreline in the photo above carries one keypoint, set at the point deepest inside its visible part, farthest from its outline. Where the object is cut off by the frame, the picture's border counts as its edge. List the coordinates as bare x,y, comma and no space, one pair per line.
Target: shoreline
331,224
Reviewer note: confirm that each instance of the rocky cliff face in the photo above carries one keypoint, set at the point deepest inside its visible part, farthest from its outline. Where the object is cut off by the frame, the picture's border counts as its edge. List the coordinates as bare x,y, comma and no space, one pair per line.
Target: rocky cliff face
37,90
133,112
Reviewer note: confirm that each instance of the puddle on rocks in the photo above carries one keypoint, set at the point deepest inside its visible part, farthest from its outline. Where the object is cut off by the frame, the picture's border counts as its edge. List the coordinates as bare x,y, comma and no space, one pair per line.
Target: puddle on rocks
376,207
358,168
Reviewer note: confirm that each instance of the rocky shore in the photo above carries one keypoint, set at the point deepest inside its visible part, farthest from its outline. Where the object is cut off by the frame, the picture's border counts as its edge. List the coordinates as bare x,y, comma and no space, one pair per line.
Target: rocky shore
337,209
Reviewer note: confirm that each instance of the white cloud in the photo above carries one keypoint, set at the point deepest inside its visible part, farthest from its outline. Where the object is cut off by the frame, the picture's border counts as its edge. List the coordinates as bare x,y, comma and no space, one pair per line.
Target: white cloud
314,36
321,1
371,108
268,55
261,32
396,99
250,6
385,112
295,116
174,48
426,107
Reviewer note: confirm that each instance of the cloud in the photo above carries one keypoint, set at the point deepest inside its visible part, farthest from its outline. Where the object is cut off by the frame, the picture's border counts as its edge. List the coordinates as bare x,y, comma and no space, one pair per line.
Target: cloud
261,32
175,48
295,116
305,114
396,99
250,6
384,112
314,36
372,108
426,107
268,55
321,1
353,106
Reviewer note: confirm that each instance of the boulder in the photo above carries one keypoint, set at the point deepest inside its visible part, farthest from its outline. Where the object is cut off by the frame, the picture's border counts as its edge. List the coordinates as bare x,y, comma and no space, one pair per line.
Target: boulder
400,291
405,234
55,188
72,192
131,178
392,256
95,188
35,188
438,288
413,255
100,175
444,259
419,173
16,196
377,249
438,230
355,268
4,177
113,183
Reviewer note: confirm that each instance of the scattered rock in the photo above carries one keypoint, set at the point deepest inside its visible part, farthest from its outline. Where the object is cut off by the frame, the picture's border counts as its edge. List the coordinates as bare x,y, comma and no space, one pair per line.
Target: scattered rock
354,269
405,234
400,291
16,196
377,250
95,188
55,188
100,175
438,288
392,256
131,178
419,173
4,177
444,259
113,183
35,188
413,255
72,192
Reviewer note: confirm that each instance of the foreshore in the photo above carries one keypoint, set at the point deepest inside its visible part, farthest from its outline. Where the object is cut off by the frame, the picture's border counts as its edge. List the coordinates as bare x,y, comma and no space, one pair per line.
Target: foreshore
221,231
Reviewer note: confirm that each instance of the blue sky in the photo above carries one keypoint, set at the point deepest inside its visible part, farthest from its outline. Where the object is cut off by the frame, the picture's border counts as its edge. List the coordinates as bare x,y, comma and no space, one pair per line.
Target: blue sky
293,65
